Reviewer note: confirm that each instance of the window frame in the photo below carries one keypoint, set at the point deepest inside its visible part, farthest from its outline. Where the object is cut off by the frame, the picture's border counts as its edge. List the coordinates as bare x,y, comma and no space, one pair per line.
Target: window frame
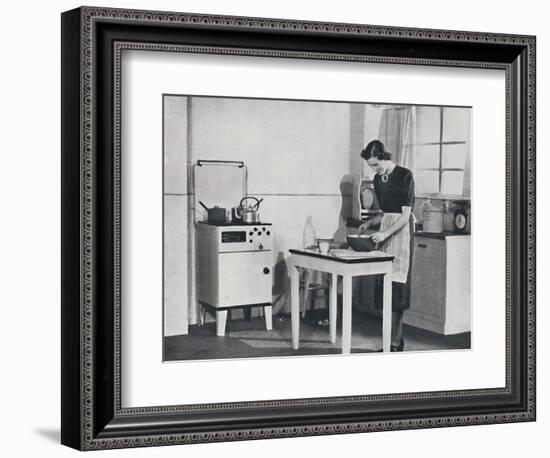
441,143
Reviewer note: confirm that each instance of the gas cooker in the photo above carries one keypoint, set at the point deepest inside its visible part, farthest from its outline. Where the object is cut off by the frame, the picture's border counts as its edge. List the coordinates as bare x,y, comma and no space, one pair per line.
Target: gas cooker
234,264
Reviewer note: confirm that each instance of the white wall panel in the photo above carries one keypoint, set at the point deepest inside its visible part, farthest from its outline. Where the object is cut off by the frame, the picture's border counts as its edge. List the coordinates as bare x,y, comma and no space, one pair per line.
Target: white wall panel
176,262
175,145
288,147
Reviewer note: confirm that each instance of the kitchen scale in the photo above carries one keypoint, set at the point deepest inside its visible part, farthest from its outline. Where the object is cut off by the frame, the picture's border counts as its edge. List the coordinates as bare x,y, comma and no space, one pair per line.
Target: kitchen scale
364,204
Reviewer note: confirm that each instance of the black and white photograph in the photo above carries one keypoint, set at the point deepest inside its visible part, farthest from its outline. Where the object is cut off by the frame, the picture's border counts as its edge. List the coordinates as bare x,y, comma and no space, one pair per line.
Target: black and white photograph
271,229
311,227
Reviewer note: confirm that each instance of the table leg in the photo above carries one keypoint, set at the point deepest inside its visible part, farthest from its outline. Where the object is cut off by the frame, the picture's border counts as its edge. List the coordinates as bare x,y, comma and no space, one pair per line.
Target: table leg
308,275
221,318
268,312
295,305
386,314
346,314
202,314
332,307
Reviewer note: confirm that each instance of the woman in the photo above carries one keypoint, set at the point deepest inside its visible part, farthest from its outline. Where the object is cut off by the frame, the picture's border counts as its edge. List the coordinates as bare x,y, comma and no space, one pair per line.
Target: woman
394,189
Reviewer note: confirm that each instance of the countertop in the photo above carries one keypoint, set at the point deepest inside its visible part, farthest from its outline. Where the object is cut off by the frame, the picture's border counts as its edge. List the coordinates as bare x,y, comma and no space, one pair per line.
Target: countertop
440,236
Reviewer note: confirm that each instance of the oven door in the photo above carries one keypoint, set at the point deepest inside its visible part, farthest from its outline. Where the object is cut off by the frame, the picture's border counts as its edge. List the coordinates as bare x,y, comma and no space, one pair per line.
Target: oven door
245,278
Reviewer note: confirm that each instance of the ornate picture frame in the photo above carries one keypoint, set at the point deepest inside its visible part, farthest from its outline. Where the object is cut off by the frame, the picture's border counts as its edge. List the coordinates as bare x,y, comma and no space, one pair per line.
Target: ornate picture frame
93,416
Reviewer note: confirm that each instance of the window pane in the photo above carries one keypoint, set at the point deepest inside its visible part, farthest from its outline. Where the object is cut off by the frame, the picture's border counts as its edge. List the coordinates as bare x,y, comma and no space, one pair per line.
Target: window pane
456,124
452,183
426,182
428,124
426,156
454,156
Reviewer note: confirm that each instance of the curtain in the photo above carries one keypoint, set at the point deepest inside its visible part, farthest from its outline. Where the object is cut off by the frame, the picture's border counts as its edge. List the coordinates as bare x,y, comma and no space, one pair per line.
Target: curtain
397,132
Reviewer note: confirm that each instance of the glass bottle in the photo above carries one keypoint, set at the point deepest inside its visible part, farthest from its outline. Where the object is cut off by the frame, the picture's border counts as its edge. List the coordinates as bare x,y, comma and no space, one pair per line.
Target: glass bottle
310,237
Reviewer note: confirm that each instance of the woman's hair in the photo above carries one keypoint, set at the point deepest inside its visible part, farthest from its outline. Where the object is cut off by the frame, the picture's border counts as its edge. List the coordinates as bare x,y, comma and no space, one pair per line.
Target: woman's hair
375,149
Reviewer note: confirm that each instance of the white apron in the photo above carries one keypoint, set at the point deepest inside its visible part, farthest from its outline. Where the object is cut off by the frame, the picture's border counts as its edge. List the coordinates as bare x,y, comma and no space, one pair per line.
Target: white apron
397,245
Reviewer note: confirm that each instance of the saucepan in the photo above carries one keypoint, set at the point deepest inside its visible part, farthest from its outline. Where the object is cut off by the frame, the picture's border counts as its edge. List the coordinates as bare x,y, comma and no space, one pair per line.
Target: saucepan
216,215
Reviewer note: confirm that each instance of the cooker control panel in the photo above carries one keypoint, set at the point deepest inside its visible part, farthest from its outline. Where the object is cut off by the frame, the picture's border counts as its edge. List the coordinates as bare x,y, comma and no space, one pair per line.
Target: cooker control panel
246,238
233,236
258,234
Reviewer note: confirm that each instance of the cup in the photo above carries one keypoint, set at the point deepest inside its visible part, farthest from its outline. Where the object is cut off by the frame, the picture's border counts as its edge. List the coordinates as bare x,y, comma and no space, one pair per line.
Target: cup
323,247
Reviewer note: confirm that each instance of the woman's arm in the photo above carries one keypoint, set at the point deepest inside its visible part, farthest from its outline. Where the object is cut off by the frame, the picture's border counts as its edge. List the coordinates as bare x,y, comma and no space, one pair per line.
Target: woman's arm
396,226
371,222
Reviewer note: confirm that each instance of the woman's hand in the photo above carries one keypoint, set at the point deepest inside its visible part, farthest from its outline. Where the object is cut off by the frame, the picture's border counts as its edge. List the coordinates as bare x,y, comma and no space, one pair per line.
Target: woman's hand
379,237
363,227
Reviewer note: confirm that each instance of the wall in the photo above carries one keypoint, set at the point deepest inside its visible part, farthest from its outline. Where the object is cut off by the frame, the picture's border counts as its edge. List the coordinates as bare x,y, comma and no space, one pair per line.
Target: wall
30,240
177,246
297,154
299,157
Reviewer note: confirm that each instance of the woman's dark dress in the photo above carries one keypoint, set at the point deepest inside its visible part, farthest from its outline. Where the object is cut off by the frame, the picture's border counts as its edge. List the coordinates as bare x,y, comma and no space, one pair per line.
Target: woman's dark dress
397,192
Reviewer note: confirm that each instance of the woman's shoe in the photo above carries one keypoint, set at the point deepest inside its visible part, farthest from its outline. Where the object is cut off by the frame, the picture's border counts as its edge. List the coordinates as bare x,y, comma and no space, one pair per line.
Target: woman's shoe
399,347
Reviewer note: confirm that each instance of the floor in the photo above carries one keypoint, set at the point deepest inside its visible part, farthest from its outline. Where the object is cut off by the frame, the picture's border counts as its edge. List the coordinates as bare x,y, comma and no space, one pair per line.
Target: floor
249,339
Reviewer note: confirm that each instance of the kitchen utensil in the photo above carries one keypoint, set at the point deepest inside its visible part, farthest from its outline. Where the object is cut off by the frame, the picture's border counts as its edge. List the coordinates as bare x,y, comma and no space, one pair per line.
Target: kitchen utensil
364,202
432,218
324,246
367,198
362,242
249,213
215,215
328,243
460,221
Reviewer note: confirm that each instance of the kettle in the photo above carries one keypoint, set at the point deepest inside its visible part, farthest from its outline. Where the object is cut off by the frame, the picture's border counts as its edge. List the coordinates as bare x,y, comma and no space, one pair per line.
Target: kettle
249,214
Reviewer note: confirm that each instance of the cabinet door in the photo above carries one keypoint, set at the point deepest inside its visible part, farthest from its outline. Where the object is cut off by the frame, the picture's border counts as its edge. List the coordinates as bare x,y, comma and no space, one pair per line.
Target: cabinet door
425,247
428,286
242,278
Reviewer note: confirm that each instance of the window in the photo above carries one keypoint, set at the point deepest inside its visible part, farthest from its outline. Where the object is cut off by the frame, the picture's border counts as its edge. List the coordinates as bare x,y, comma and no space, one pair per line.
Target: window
441,149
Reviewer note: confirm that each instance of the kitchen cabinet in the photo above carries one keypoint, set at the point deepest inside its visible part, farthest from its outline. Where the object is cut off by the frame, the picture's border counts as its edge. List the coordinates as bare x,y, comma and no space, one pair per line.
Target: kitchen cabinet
441,284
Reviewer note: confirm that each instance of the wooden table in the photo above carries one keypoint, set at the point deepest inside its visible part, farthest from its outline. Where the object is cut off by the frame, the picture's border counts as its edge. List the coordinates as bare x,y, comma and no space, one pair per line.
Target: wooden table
347,267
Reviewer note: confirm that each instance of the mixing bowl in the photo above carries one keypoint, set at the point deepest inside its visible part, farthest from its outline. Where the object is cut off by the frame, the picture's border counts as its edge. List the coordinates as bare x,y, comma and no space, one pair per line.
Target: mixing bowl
362,242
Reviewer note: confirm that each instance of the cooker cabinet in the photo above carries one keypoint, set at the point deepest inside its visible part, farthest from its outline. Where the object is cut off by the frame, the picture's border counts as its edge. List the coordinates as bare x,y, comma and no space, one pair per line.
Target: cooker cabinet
441,284
234,269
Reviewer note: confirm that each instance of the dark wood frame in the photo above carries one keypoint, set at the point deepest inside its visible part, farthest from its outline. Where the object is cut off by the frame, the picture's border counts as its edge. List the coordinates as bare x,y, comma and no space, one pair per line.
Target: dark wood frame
92,40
